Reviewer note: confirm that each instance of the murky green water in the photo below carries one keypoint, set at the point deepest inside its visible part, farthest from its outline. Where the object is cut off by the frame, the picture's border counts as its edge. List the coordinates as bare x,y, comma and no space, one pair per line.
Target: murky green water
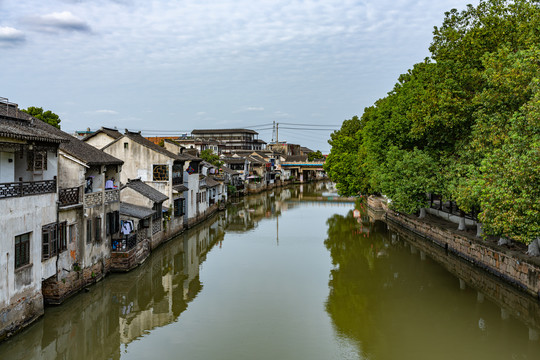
285,275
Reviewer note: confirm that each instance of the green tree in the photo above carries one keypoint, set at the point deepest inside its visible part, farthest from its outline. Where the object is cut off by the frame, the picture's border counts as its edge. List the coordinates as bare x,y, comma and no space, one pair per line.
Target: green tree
316,155
343,163
209,156
407,177
48,116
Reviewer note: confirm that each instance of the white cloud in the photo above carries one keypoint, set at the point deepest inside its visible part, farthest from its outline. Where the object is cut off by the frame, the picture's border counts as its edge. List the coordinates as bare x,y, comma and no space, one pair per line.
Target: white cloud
64,21
105,111
9,35
249,109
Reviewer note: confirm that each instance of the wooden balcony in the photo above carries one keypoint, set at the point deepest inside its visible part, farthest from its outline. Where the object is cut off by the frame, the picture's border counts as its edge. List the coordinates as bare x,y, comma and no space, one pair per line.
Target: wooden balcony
27,188
69,196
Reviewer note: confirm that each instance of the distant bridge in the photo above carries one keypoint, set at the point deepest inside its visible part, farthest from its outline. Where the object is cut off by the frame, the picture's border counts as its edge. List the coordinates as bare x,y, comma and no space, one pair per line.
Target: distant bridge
303,170
311,165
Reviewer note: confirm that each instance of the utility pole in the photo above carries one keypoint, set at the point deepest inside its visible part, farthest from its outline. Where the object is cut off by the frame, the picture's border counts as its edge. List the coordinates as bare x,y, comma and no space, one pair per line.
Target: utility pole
277,133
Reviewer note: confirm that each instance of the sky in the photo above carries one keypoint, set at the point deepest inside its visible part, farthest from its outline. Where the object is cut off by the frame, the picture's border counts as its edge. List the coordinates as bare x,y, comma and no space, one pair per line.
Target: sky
168,67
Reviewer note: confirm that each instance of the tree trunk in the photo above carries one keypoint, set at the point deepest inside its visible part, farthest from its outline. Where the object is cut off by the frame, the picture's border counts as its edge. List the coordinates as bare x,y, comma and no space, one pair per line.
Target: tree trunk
422,213
479,230
462,226
534,248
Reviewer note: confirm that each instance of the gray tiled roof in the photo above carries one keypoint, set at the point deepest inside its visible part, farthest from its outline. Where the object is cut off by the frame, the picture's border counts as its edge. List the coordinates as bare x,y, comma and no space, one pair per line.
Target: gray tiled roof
229,171
30,128
233,160
146,190
79,149
211,182
256,159
138,138
16,124
138,212
180,188
114,133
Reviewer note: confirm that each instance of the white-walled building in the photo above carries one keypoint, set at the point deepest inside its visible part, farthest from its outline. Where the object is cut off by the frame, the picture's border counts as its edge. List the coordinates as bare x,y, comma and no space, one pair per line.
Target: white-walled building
28,195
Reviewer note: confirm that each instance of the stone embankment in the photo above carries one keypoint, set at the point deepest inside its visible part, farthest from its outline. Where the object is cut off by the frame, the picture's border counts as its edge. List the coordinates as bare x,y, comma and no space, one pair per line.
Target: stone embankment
510,263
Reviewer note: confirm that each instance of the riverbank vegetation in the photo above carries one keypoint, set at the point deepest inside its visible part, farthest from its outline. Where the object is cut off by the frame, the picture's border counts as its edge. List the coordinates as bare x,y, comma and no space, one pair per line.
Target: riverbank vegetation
463,124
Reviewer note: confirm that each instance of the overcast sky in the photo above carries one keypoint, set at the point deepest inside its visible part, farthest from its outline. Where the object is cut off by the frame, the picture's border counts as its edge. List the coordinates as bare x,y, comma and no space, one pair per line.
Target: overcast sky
179,65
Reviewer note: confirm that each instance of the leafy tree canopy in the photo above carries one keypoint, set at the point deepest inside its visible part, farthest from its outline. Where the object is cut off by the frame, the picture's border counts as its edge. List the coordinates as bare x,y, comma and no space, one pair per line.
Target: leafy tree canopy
462,124
316,155
47,116
209,156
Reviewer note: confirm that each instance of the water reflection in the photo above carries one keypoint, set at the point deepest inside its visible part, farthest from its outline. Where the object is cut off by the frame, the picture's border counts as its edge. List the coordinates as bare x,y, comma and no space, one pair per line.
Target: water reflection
390,294
124,307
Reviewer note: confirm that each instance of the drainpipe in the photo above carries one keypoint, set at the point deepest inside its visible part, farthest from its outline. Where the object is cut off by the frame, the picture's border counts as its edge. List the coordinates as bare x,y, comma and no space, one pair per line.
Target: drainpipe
57,236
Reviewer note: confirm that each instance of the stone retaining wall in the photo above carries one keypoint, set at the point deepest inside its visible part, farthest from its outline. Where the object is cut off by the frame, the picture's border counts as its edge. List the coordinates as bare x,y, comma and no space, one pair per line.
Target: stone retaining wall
511,266
22,313
127,260
56,291
511,301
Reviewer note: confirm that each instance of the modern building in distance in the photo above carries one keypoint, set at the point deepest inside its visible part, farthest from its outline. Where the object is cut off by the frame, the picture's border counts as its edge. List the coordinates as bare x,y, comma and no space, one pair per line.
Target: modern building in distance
232,139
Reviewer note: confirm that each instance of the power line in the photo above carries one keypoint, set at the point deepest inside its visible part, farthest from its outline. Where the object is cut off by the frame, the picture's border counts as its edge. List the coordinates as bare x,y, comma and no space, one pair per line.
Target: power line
310,125
297,128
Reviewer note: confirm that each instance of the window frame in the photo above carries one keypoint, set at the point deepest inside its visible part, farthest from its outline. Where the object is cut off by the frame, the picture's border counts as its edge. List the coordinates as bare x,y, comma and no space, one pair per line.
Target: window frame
160,175
24,246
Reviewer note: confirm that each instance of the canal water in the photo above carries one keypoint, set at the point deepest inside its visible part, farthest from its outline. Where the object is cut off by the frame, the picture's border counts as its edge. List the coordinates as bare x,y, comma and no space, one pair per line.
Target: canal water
291,274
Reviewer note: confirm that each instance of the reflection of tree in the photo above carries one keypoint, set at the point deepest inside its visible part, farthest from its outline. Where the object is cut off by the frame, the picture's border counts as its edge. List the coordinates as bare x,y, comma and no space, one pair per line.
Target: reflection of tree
355,249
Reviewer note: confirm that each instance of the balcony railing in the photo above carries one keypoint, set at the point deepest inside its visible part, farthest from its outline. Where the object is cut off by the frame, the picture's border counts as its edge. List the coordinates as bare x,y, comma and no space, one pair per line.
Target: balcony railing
96,198
125,243
93,199
26,188
112,196
69,196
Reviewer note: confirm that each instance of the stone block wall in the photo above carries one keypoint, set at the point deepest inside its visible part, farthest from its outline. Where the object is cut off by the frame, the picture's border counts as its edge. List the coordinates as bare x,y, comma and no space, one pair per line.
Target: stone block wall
128,260
512,301
56,291
20,314
512,266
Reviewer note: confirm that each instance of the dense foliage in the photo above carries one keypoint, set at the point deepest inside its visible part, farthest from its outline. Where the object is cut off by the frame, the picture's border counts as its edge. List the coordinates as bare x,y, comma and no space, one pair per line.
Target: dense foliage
209,156
463,123
47,116
316,155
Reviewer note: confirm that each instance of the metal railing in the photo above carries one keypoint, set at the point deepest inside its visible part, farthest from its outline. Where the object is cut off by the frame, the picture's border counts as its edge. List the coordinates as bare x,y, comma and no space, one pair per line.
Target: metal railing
450,207
26,188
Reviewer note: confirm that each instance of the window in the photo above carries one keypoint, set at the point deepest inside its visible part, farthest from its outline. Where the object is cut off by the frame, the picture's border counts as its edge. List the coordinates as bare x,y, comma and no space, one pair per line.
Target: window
126,145
158,210
97,229
72,233
113,222
88,231
178,171
37,160
53,239
22,250
160,173
179,207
